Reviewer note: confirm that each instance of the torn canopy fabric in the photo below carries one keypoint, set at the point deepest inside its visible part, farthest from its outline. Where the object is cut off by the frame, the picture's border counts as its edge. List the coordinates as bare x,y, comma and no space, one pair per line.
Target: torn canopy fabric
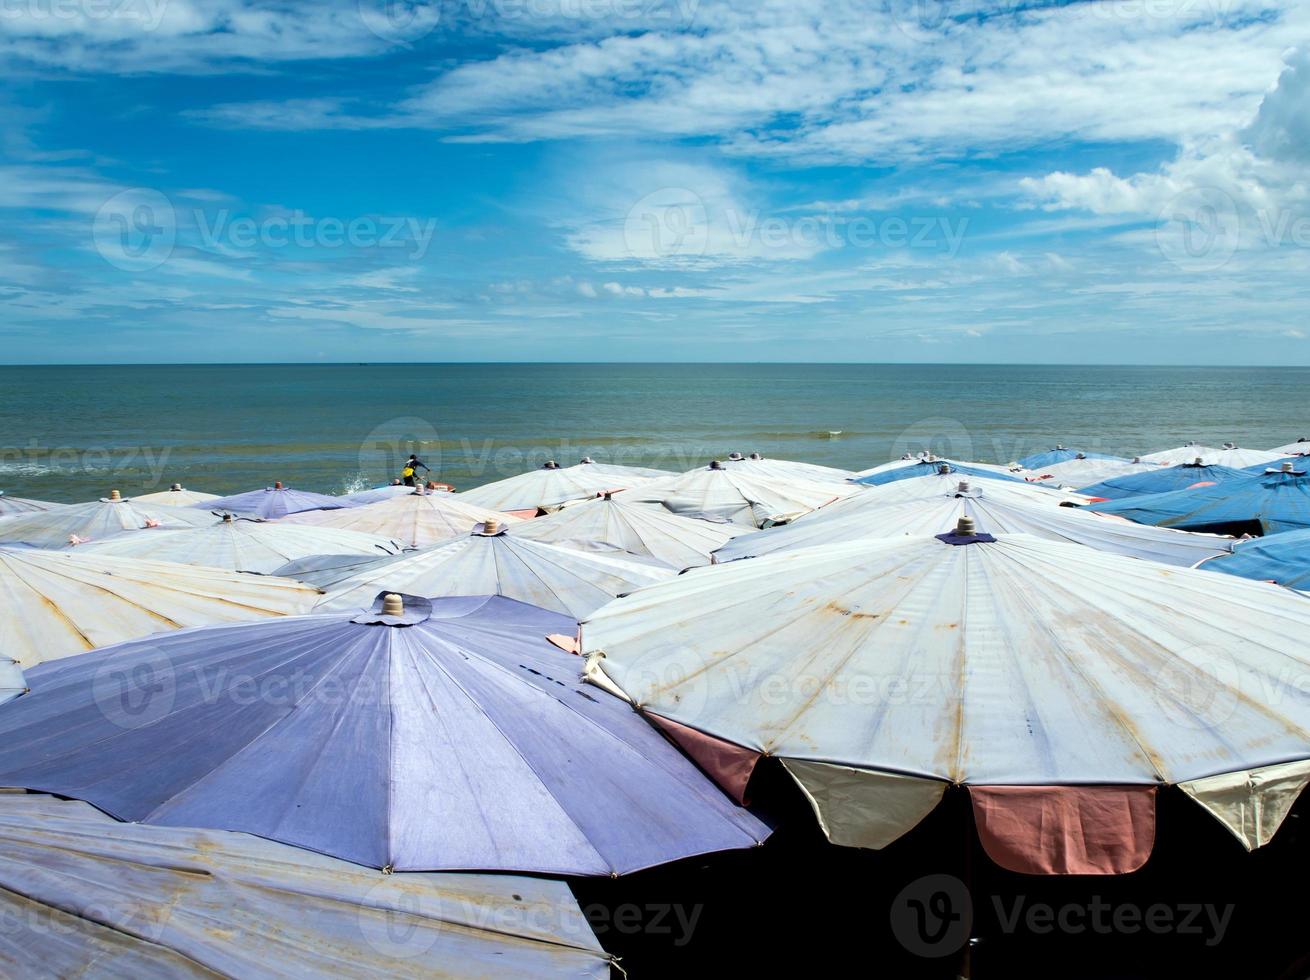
85,895
1019,661
452,736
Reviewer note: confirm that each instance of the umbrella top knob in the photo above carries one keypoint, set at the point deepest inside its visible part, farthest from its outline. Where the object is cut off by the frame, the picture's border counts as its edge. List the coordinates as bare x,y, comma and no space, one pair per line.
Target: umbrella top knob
735,456
393,605
607,495
115,495
1059,445
964,486
1137,459
1230,445
944,468
1081,456
1198,461
756,456
227,518
715,464
965,527
1287,466
176,486
278,485
586,459
491,526
550,464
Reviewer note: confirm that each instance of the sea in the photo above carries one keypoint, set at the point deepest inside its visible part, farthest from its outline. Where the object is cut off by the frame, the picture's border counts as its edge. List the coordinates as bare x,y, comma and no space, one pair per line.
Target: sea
70,433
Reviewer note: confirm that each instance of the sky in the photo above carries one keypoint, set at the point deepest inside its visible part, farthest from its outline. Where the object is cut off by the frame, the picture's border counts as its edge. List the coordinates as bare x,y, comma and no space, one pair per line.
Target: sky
666,180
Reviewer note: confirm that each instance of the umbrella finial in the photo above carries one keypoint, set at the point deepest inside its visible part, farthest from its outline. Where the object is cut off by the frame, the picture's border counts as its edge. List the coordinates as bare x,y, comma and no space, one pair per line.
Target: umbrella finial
965,527
115,495
944,468
756,456
176,486
1059,445
227,518
1230,445
715,464
607,495
491,526
1197,462
550,464
734,456
1287,466
586,459
278,485
393,605
1081,456
964,486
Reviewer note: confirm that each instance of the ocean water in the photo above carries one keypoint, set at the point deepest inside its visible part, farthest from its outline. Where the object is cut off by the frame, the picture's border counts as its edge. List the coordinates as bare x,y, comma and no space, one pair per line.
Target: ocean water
73,433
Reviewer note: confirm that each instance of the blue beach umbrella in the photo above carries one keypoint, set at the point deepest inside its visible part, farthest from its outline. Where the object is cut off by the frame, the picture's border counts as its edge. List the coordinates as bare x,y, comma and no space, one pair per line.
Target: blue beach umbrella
1061,455
275,501
1161,479
421,735
932,467
1270,503
1281,558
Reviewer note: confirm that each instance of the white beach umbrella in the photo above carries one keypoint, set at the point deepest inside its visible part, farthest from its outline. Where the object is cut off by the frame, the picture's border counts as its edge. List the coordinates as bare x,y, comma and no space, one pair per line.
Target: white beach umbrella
22,505
1187,453
242,545
719,493
552,485
176,496
1301,447
85,895
649,532
92,521
786,469
994,508
494,561
1061,684
414,519
54,604
1084,472
1229,454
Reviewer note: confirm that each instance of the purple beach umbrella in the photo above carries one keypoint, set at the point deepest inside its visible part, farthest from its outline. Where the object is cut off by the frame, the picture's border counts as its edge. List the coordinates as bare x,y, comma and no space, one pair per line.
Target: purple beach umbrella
421,735
275,501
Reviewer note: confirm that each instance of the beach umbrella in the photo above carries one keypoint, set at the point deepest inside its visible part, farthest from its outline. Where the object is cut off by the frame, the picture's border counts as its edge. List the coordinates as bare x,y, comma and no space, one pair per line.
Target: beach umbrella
1187,453
1281,558
1060,454
1229,454
1299,448
379,493
786,469
241,545
415,736
22,505
1062,686
911,469
722,494
84,895
1082,472
176,496
919,459
1237,458
494,561
78,523
1162,479
1010,513
54,604
1267,503
637,529
416,519
1296,462
325,571
275,501
551,485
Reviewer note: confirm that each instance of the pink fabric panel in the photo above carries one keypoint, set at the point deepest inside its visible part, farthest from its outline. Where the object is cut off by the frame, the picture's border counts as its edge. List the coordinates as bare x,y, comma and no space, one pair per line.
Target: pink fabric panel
1066,830
527,515
728,765
569,644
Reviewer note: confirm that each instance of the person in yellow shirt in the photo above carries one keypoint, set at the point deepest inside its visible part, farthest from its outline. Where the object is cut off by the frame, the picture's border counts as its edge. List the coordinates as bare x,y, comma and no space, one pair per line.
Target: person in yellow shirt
412,466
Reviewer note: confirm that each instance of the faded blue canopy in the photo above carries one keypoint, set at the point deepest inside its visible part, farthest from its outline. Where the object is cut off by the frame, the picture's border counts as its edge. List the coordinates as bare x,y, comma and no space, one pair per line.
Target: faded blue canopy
1268,504
928,467
450,735
1162,479
1281,558
1061,455
274,501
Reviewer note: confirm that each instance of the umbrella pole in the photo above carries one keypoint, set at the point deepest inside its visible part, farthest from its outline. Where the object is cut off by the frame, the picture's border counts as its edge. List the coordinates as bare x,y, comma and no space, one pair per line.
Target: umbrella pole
966,954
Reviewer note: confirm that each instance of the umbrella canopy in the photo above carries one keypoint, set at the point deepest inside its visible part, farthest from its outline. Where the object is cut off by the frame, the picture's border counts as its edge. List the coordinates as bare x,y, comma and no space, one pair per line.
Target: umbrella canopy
1186,453
1011,513
552,485
1082,472
786,469
1061,684
416,520
1267,503
54,604
12,682
446,735
242,545
911,469
722,494
176,496
637,529
77,523
85,895
22,505
1161,479
325,571
1060,454
1296,462
1282,558
919,458
1229,454
275,501
496,562
1299,448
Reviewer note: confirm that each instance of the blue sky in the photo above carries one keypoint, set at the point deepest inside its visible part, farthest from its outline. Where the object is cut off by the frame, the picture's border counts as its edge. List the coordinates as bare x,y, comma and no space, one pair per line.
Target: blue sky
929,180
